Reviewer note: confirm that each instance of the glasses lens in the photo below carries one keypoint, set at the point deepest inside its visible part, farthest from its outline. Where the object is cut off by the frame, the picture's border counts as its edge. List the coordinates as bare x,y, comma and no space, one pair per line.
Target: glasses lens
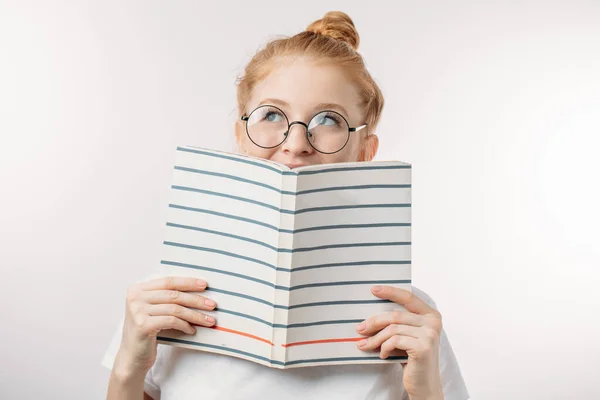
267,126
328,132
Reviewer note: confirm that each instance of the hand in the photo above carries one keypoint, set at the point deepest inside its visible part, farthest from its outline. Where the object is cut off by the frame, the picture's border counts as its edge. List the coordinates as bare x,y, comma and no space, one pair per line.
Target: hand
154,306
417,331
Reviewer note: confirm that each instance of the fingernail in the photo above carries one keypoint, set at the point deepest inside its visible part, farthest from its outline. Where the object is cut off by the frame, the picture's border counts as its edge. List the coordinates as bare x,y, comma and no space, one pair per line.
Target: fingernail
361,327
193,331
209,319
201,283
209,302
377,289
362,343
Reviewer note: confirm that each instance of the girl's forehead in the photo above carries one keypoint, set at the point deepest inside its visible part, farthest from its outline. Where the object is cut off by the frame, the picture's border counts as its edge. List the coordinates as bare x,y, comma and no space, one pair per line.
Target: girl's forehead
304,84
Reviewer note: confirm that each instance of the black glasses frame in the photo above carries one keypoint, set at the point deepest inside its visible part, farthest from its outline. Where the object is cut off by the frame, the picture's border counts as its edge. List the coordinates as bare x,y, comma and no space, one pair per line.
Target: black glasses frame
286,133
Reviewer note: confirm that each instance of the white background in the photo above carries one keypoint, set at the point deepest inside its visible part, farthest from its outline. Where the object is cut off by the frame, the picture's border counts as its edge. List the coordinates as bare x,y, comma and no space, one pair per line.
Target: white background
496,104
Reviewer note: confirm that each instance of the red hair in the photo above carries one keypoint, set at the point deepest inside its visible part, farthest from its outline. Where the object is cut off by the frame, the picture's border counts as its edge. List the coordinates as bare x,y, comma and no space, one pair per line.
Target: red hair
332,39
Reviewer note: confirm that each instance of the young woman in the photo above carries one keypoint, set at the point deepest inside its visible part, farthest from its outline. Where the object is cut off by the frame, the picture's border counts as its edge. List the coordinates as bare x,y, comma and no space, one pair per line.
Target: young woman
302,100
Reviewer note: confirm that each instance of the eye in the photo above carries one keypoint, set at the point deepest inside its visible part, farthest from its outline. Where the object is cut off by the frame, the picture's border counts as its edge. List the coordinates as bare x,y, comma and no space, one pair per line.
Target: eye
273,116
328,119
332,120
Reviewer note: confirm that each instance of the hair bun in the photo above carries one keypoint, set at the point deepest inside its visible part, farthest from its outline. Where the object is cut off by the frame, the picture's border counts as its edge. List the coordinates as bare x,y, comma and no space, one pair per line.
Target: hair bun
337,25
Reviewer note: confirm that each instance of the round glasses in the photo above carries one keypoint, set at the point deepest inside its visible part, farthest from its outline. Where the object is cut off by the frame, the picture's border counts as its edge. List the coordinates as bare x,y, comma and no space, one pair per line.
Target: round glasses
327,132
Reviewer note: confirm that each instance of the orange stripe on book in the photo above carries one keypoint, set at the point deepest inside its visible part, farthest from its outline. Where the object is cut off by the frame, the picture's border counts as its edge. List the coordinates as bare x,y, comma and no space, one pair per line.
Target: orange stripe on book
322,341
220,328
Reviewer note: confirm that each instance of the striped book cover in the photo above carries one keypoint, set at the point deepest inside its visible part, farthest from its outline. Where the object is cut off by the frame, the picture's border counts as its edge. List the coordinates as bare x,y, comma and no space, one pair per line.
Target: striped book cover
290,256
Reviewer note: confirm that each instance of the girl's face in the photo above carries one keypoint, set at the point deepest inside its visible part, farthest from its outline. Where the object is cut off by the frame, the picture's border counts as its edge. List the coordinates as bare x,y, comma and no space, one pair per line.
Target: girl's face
301,89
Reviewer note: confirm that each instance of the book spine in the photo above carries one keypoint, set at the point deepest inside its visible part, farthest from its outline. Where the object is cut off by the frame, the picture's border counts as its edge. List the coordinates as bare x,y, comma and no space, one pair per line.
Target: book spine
284,265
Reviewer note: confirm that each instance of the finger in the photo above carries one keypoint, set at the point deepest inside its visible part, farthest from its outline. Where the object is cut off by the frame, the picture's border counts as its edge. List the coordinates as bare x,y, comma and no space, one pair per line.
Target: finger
184,313
403,297
374,342
400,342
378,322
177,297
184,284
159,323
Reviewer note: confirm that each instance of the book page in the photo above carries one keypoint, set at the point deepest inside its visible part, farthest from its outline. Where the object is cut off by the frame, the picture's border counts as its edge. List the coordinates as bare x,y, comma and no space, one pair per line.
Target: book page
352,231
223,226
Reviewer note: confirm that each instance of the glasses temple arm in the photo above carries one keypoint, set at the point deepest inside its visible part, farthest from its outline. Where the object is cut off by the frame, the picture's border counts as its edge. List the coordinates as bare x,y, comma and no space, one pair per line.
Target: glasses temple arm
358,128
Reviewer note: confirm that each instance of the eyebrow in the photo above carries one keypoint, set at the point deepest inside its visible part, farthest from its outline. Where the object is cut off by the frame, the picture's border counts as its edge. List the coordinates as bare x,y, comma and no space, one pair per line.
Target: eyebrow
318,107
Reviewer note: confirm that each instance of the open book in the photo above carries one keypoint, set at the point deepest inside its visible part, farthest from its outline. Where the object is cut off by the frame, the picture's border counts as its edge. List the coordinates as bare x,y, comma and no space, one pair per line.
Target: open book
290,256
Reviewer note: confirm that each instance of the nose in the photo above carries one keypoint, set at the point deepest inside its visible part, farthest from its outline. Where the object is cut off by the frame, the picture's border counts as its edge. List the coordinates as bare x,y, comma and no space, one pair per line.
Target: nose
297,140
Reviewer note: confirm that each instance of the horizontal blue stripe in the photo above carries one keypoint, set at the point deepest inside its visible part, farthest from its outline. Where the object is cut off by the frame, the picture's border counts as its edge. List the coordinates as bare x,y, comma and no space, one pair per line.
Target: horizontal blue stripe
351,264
346,245
229,196
347,283
317,323
247,316
336,303
344,169
338,359
347,207
234,178
284,211
328,189
218,271
223,348
351,226
283,250
282,307
248,161
287,192
225,253
244,296
274,362
229,235
236,159
229,216
256,261
289,326
278,287
273,227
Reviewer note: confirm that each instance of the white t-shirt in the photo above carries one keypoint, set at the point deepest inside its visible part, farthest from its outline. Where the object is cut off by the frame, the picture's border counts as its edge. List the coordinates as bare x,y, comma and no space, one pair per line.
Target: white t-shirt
181,374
